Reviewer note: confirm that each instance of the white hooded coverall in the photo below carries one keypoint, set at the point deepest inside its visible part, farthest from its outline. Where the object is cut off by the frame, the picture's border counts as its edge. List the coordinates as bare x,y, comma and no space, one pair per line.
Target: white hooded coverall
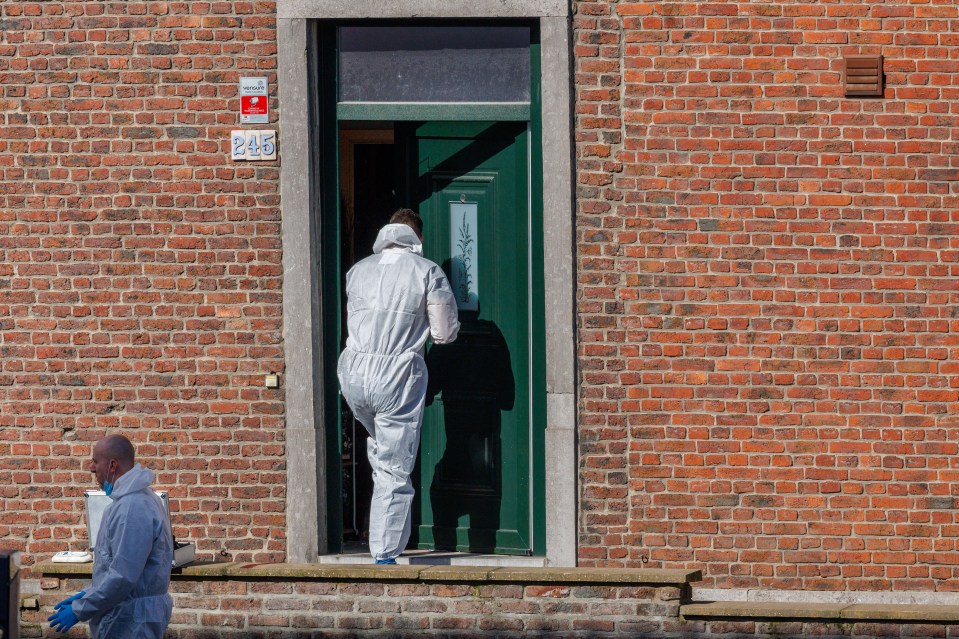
396,300
128,598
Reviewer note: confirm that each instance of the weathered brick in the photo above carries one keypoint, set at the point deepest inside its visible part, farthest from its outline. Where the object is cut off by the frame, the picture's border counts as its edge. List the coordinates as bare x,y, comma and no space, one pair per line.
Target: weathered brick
765,293
89,94
778,231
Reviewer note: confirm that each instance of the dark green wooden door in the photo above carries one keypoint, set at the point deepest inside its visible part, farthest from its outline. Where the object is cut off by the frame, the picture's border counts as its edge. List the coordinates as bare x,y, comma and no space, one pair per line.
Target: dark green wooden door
470,182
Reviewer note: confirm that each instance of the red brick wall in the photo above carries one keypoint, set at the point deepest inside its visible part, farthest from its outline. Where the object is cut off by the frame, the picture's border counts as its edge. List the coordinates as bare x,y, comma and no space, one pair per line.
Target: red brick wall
767,292
766,285
463,606
140,268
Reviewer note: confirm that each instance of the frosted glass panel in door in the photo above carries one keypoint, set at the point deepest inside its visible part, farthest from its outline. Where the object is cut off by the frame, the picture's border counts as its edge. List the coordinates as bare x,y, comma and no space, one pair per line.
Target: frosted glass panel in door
434,64
464,258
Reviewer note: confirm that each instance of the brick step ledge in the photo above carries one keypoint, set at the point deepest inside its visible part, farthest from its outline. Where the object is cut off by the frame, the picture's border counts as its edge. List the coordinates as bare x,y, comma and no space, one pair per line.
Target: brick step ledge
415,572
780,611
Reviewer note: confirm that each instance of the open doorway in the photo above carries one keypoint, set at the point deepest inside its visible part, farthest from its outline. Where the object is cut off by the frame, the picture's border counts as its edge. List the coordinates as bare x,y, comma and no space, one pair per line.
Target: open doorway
469,181
313,104
368,196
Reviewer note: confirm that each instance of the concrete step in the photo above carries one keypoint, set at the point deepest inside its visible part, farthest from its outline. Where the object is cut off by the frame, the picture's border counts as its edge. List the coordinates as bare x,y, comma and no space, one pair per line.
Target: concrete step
908,613
440,558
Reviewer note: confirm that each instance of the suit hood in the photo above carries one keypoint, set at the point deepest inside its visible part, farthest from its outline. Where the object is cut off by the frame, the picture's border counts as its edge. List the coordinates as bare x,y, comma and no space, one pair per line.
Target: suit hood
137,478
397,236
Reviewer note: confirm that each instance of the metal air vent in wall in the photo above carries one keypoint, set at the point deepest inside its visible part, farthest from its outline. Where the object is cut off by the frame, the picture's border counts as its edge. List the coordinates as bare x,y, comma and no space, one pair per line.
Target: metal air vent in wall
862,75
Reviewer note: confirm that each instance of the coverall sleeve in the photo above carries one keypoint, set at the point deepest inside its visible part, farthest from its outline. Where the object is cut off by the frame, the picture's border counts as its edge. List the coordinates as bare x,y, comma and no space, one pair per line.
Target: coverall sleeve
441,308
132,540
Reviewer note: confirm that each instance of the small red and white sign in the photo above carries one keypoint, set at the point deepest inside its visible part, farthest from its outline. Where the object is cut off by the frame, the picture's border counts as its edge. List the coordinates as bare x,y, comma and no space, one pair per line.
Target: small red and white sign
254,98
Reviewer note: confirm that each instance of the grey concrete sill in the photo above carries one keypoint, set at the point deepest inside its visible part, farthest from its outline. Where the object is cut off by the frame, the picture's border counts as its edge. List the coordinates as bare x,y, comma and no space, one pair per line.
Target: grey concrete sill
369,572
881,598
821,611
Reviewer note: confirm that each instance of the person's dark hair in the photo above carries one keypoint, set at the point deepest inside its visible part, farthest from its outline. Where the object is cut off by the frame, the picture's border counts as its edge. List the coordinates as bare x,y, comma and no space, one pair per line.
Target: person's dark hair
409,218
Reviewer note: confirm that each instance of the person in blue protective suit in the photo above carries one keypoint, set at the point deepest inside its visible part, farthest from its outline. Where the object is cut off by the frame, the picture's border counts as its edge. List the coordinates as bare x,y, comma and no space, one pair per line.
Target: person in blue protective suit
128,597
396,300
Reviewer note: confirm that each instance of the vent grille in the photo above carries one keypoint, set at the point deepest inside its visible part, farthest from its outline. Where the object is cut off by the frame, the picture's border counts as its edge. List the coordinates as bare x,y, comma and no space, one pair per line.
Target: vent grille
862,75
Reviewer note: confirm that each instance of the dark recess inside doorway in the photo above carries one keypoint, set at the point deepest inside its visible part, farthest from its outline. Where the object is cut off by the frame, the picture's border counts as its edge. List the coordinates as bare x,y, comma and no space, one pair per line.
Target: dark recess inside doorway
368,196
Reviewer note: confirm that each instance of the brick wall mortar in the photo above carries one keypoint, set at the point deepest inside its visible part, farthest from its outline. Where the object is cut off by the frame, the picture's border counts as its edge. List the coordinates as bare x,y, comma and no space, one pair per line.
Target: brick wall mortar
140,274
281,608
261,607
766,293
766,283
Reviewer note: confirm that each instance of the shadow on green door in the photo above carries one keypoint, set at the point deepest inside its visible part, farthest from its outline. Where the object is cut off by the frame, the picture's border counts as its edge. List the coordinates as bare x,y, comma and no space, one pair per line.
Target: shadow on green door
469,182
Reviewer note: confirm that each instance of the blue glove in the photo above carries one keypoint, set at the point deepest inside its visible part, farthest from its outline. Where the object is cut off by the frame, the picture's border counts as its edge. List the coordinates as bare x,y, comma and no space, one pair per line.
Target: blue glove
64,618
69,600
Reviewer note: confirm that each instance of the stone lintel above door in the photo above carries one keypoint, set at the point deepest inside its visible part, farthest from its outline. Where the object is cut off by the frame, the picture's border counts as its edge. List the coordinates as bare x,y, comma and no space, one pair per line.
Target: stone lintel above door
361,9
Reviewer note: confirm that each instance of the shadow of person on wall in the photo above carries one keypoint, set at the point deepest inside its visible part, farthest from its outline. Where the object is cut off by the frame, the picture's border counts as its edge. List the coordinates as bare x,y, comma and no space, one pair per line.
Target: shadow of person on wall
472,379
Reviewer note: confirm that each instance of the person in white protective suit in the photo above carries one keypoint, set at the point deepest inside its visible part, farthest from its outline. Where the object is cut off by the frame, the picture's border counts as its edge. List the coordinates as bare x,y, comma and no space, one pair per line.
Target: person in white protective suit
128,598
396,300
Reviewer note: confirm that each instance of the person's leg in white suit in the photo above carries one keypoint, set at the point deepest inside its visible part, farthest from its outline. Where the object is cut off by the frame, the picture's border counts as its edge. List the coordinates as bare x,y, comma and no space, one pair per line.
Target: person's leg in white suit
392,450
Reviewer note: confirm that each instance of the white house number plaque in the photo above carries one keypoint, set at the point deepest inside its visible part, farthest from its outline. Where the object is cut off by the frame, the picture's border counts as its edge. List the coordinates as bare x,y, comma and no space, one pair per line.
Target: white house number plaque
253,144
